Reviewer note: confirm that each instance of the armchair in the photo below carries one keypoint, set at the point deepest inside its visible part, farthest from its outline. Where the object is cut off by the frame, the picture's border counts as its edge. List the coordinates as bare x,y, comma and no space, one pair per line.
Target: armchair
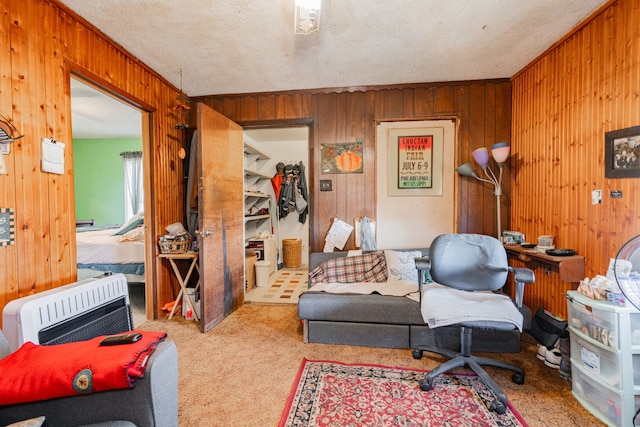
152,402
467,269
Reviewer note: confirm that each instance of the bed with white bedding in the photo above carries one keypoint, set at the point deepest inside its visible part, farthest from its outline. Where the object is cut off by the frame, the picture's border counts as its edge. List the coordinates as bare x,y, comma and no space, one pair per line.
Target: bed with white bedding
101,250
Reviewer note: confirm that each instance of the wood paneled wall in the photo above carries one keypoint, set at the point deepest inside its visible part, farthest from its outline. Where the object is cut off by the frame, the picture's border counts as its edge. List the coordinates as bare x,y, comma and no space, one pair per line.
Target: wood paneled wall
40,42
482,109
563,104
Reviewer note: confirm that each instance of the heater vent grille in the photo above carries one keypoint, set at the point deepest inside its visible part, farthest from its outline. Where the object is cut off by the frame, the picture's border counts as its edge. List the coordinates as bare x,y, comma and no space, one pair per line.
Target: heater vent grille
46,316
81,300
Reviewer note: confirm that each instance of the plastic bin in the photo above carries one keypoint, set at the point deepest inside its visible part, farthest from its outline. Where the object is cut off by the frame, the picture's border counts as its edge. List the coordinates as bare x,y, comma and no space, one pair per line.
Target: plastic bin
292,251
186,308
262,273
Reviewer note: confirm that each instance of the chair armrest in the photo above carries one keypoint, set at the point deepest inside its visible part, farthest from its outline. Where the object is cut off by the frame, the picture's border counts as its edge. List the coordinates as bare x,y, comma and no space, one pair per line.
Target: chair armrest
153,401
520,277
524,275
422,264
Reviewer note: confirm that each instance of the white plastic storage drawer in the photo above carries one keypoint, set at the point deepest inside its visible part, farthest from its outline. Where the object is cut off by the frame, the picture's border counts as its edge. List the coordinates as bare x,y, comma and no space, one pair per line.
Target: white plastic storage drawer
635,328
604,364
593,321
602,402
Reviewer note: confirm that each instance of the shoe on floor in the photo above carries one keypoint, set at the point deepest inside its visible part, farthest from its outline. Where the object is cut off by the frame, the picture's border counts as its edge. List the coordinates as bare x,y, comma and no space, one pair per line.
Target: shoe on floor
553,358
542,352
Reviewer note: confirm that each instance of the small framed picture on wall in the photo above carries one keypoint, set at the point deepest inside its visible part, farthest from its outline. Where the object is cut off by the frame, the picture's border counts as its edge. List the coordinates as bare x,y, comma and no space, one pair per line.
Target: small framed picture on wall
622,153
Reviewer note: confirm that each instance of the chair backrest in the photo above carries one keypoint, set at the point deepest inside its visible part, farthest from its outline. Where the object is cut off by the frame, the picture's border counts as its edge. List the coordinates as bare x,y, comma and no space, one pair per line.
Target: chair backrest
471,262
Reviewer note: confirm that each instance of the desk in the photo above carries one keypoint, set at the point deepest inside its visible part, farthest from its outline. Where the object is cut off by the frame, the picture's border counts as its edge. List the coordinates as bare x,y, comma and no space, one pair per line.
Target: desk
193,256
570,268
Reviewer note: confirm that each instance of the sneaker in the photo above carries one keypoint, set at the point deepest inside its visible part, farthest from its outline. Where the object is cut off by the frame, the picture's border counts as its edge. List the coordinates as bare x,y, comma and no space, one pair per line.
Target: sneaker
553,358
542,352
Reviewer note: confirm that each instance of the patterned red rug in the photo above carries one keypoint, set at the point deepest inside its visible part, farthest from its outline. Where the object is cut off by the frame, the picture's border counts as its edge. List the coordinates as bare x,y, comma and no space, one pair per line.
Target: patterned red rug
337,394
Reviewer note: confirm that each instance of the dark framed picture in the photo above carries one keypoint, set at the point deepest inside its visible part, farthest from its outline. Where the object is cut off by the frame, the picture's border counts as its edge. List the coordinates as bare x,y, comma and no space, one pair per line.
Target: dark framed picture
622,153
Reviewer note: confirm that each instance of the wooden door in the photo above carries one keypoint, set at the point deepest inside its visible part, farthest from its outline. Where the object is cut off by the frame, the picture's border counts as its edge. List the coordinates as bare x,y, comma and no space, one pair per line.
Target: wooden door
220,215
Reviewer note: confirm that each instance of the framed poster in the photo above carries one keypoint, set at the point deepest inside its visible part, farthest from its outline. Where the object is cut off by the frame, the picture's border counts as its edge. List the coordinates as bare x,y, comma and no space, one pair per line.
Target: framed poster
415,161
7,227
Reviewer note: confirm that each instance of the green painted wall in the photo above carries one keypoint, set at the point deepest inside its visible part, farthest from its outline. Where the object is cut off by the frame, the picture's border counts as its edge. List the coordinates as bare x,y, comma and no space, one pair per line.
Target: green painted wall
99,178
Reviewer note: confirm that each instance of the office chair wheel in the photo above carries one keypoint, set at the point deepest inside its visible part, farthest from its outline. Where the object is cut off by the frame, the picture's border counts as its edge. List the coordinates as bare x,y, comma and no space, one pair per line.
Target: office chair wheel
498,407
425,384
417,354
517,378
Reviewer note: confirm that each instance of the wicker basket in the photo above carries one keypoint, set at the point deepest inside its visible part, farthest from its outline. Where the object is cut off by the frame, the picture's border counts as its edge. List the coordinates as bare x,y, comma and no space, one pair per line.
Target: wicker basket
175,246
292,251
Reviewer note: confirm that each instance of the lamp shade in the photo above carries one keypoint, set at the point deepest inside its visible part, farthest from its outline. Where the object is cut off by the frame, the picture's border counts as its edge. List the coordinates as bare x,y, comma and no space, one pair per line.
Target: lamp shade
466,170
500,152
481,156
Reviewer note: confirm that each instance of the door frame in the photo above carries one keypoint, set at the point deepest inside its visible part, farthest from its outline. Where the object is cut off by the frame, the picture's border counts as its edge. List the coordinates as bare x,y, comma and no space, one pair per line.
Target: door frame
147,111
292,123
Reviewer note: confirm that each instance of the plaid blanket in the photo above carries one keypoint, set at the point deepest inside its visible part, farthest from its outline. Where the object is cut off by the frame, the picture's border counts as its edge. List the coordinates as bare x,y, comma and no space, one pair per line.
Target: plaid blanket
370,267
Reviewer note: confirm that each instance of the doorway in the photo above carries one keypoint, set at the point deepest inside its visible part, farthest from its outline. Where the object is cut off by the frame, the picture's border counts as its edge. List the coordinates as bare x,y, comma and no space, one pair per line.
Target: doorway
106,133
289,146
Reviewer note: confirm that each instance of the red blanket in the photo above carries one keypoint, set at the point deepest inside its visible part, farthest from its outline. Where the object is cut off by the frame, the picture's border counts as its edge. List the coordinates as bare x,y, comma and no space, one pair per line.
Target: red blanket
36,372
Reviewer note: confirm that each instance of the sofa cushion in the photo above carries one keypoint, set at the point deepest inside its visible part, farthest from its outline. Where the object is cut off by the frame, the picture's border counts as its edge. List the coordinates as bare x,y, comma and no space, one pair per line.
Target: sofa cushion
373,308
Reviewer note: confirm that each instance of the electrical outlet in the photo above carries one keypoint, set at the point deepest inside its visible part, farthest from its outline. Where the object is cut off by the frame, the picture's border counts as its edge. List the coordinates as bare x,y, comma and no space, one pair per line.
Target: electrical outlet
325,185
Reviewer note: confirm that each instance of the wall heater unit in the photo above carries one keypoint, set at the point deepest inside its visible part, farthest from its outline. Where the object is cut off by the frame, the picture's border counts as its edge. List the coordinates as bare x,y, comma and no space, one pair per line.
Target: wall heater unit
75,312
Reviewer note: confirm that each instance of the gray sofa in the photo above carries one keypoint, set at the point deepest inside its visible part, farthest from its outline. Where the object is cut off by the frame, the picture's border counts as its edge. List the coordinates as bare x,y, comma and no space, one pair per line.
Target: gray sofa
153,401
386,321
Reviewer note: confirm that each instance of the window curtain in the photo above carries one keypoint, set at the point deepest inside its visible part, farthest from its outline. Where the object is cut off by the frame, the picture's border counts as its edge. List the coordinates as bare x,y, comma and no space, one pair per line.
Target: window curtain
133,183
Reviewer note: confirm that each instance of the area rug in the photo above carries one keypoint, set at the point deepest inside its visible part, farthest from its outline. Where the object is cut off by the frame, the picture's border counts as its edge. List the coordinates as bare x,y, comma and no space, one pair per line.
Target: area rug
335,394
285,286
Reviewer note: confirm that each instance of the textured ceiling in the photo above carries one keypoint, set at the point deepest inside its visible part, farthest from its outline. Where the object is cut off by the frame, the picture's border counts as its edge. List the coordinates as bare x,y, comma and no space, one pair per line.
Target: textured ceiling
245,46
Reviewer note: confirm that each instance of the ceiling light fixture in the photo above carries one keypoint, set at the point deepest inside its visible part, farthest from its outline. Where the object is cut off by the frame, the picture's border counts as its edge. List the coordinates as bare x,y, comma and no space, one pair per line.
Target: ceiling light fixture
307,16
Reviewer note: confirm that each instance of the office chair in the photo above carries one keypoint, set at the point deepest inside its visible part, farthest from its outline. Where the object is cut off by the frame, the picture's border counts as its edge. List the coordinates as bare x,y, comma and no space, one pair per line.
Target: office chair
467,269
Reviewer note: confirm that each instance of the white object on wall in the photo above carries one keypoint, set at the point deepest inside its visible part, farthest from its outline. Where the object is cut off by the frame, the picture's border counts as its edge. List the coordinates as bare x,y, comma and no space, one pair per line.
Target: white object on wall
338,235
52,156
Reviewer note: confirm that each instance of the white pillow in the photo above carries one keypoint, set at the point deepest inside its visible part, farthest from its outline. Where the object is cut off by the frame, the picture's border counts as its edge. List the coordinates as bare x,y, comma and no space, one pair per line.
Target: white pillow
132,235
131,223
401,265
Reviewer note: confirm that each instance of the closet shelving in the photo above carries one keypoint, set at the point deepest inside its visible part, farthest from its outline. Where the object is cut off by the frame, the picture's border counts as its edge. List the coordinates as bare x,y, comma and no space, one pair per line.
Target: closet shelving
255,198
256,184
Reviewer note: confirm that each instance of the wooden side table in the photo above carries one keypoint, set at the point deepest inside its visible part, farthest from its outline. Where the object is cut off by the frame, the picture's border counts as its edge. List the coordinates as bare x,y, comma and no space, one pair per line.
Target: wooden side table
193,256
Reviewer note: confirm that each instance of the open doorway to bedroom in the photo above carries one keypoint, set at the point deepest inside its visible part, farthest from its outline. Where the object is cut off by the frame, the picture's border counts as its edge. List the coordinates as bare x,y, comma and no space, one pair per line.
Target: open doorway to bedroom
109,188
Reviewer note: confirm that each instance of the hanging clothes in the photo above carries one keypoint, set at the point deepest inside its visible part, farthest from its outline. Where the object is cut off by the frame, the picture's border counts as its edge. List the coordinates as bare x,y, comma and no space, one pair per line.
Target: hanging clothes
287,199
304,192
191,201
367,240
276,181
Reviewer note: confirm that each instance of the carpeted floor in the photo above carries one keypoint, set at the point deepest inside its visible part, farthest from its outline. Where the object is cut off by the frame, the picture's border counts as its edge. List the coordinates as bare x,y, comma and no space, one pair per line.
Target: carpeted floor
241,372
285,286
